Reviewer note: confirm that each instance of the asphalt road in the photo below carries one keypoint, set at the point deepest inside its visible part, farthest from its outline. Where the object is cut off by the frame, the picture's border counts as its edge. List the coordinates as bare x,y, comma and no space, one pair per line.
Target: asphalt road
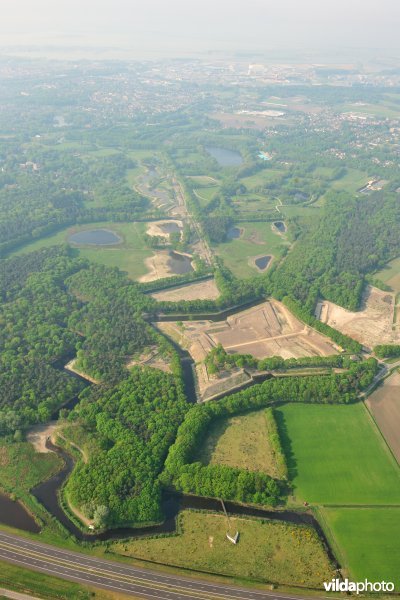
117,577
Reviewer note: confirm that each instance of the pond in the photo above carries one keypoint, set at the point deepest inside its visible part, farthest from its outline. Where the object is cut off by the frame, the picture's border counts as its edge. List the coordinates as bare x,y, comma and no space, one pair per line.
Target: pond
12,513
234,233
179,264
280,225
262,262
224,157
95,237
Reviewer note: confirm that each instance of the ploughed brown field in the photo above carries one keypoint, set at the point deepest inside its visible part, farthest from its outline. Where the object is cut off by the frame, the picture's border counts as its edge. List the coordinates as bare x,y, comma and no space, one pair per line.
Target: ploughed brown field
384,404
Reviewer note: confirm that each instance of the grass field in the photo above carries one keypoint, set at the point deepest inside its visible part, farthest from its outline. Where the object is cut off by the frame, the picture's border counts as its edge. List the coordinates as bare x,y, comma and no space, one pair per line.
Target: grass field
391,275
241,442
368,541
129,256
260,178
336,455
352,181
47,587
269,551
205,194
257,239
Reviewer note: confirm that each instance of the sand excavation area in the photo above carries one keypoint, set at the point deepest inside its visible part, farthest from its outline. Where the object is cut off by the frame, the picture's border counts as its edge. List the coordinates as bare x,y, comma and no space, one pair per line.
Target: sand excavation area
203,290
384,404
267,329
164,228
370,326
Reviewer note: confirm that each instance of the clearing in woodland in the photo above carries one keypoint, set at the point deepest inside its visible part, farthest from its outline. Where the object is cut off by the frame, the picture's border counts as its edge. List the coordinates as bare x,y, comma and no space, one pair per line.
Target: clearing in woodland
240,441
370,326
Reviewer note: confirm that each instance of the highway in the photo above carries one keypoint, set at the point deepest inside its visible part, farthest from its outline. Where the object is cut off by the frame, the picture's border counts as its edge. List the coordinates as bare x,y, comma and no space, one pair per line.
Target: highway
119,577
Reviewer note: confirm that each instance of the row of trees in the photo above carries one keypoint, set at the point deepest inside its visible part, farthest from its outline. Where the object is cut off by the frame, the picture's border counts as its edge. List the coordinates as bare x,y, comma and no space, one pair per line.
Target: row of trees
218,360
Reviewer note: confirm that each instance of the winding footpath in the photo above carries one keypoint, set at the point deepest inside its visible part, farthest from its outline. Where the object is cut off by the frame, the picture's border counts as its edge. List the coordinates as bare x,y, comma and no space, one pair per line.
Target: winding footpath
118,577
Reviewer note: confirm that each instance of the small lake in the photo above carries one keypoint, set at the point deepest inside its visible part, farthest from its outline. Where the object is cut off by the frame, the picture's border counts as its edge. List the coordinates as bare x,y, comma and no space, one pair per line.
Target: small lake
179,264
262,262
234,233
224,157
280,225
14,514
95,237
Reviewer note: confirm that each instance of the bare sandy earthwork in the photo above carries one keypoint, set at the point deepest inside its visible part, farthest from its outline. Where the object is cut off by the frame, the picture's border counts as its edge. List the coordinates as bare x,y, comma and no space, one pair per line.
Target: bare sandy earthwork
39,434
160,265
267,329
203,290
161,228
370,326
384,405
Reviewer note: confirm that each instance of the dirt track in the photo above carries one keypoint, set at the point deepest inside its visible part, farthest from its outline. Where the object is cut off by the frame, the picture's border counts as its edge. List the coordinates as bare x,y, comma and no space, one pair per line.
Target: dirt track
384,405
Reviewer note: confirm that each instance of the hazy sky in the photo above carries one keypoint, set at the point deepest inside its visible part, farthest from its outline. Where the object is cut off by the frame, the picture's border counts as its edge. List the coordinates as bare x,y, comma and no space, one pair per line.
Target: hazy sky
190,25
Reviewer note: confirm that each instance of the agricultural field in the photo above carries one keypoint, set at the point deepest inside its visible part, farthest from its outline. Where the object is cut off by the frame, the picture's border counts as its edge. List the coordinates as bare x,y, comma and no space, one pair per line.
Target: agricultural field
390,275
256,239
129,256
336,455
384,405
240,442
267,551
366,540
371,325
202,290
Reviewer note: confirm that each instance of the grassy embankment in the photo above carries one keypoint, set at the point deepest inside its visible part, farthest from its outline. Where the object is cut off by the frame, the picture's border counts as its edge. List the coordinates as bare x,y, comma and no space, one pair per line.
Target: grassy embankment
267,551
47,587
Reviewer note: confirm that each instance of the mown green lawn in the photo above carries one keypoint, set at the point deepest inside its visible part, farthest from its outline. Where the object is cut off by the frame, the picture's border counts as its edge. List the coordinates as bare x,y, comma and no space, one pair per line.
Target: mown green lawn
257,239
336,455
368,540
129,256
